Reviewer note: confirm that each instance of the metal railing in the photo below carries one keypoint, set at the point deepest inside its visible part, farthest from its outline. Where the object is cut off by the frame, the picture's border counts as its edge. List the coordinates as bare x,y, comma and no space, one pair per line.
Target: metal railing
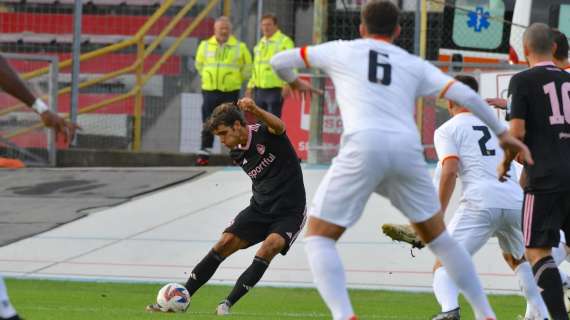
137,67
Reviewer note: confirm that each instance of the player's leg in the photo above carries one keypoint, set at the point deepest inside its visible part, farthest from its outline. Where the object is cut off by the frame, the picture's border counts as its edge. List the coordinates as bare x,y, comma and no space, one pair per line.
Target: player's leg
240,234
471,229
535,307
446,293
282,233
457,262
249,278
7,311
543,217
260,99
205,269
559,254
337,204
412,192
275,102
326,266
209,100
509,235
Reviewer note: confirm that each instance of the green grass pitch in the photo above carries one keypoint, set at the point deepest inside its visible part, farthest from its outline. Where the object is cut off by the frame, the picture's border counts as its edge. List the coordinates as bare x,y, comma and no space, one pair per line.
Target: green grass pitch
60,300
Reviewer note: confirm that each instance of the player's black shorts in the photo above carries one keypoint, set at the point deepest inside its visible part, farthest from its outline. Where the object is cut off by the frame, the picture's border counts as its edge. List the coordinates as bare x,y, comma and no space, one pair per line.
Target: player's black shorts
544,215
254,226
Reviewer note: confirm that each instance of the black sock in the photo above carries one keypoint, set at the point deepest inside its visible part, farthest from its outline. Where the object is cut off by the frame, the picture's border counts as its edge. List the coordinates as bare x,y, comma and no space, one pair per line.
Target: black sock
203,271
248,279
548,279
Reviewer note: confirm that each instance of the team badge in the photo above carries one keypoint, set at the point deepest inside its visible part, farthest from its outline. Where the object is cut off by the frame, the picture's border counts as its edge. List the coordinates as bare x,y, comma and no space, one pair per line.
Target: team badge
260,149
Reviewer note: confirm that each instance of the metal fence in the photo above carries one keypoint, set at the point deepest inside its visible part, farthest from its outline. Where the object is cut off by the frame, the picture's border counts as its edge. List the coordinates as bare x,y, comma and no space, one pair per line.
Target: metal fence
121,61
37,147
166,116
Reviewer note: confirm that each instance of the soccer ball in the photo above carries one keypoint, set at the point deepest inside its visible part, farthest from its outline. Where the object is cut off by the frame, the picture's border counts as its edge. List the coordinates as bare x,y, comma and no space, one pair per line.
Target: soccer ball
173,297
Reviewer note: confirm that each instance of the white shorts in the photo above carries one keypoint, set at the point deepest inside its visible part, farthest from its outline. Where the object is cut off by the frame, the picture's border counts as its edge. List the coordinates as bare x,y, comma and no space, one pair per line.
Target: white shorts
473,228
369,161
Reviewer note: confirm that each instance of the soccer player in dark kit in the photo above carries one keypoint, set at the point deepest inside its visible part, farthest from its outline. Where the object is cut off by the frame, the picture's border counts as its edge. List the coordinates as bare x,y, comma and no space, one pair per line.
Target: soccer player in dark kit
276,213
540,116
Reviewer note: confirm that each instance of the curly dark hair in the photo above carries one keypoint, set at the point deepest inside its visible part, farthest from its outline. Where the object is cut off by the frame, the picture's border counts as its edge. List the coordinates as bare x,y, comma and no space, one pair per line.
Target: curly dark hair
561,41
224,114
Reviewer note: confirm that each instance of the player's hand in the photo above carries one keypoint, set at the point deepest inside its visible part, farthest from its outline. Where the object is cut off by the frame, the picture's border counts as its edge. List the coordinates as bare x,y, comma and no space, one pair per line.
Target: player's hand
300,86
499,103
61,126
512,146
247,104
285,91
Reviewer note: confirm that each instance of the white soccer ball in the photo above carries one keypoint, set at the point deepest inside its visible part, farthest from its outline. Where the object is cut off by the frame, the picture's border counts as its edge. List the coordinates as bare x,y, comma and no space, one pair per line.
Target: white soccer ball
173,297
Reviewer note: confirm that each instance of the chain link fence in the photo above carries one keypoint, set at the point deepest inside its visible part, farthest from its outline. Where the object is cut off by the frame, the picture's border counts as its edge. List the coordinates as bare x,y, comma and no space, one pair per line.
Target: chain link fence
19,137
106,106
462,36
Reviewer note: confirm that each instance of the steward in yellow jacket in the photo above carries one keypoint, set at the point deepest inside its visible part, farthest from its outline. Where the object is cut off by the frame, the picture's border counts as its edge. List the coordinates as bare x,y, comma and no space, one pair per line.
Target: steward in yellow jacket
264,86
223,63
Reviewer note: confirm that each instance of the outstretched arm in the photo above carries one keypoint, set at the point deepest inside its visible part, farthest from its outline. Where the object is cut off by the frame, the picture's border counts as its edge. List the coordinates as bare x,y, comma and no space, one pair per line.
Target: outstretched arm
449,170
284,64
11,82
463,95
274,124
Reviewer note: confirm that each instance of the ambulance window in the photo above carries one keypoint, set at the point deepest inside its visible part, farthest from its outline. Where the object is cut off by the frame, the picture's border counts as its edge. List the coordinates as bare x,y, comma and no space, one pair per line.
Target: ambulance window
564,19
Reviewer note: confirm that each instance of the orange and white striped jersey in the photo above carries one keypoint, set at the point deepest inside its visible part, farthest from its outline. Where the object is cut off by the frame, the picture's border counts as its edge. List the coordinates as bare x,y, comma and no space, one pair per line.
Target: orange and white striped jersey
468,139
377,82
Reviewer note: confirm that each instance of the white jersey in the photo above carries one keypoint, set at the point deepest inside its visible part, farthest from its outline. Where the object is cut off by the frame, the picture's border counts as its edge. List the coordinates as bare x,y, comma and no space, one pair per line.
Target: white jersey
467,138
376,83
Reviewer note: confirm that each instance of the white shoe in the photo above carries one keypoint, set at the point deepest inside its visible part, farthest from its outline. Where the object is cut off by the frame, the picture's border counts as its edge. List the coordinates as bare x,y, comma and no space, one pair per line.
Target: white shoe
223,308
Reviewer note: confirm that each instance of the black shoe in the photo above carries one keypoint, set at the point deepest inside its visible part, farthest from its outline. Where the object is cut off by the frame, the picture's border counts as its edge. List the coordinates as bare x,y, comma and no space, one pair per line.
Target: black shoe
16,317
448,315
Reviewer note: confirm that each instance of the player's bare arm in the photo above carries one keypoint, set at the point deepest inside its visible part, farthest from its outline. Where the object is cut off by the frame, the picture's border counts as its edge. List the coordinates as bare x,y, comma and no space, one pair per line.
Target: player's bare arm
449,170
463,95
517,132
284,64
274,124
498,103
13,85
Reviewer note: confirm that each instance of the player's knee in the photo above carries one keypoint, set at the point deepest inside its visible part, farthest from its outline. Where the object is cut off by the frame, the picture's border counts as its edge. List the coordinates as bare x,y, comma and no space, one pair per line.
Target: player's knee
437,265
512,261
271,246
228,244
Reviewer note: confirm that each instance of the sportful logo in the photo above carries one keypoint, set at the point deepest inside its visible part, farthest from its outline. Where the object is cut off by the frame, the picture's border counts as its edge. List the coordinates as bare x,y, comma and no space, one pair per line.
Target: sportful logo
261,166
260,149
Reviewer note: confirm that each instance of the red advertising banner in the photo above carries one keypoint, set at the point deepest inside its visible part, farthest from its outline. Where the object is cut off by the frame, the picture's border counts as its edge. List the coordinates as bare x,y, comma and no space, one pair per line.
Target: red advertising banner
296,115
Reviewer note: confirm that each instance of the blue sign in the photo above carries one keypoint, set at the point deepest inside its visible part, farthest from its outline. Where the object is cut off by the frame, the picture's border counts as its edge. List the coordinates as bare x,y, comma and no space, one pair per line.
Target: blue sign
478,19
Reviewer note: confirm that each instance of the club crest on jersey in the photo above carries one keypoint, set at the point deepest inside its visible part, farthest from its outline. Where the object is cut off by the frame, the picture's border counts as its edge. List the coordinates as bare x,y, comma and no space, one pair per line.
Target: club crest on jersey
260,149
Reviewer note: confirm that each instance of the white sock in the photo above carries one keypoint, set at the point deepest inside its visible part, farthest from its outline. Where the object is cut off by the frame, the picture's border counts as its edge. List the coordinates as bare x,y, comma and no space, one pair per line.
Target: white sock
6,309
328,274
446,292
535,304
564,278
460,268
559,253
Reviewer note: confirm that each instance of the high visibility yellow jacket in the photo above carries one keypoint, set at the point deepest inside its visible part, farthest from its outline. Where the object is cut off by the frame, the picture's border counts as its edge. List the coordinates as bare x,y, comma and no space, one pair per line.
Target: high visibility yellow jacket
263,75
225,66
